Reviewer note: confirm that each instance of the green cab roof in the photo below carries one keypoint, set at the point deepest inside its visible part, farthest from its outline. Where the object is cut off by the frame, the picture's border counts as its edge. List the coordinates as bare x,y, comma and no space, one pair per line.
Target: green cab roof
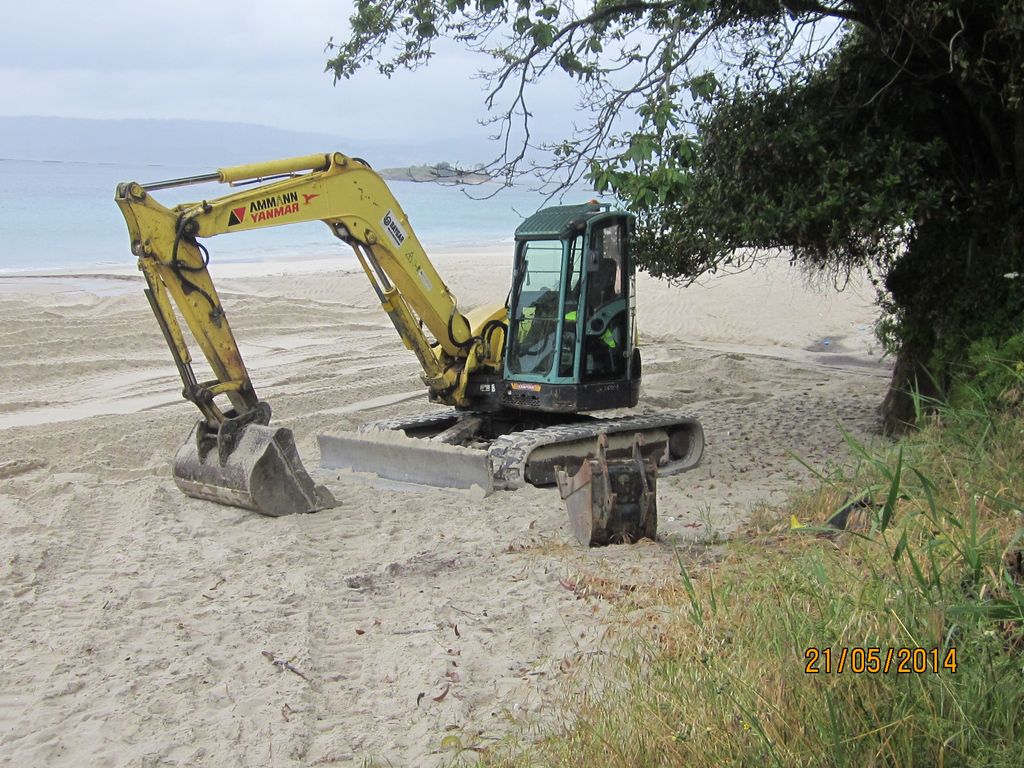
553,222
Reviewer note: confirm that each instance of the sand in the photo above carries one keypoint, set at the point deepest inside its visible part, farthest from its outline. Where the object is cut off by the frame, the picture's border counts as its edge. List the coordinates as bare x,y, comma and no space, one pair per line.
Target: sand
135,620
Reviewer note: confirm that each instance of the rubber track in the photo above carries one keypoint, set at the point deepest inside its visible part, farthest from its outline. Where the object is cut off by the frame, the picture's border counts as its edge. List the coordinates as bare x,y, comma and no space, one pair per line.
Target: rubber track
510,453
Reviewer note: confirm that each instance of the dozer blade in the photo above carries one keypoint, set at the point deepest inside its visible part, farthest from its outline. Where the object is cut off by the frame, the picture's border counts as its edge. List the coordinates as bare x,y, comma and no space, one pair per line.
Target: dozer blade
611,501
393,456
262,471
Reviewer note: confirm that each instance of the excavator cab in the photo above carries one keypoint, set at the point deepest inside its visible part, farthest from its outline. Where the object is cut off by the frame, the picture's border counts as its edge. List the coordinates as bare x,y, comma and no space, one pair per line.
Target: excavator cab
571,340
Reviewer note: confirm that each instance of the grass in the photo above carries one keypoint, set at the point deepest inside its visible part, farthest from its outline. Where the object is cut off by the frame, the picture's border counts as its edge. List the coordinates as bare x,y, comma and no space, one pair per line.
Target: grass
714,668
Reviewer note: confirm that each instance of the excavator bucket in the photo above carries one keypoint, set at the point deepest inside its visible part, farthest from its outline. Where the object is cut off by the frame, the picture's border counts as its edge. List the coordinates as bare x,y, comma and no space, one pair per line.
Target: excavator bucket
611,501
258,469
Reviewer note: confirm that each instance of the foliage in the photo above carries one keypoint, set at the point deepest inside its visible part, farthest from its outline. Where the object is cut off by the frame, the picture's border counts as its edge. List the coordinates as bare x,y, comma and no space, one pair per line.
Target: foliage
991,379
853,134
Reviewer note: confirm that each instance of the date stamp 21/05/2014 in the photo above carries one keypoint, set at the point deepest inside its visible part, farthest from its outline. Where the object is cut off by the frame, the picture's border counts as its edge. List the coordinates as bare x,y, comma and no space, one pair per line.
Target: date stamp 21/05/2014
862,660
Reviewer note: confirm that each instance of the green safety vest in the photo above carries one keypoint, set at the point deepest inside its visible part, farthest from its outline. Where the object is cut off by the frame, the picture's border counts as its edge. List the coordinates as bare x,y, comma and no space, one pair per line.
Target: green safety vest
607,337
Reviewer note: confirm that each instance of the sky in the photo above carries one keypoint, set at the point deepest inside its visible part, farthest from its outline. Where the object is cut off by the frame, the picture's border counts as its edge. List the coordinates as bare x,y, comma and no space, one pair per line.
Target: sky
258,61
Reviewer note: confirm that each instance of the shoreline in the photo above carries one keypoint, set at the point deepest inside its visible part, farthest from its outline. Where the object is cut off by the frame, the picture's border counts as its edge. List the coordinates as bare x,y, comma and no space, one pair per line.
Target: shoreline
256,265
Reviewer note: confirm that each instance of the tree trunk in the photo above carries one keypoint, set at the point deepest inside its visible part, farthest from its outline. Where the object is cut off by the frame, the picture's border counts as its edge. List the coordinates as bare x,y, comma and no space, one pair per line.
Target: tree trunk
913,386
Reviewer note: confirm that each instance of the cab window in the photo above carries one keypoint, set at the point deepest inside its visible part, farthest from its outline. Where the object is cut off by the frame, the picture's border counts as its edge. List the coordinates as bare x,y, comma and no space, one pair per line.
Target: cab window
535,324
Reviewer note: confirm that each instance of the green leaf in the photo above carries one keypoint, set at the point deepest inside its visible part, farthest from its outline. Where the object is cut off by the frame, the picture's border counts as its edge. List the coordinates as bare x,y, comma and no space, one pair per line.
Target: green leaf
894,494
901,545
543,35
703,86
568,62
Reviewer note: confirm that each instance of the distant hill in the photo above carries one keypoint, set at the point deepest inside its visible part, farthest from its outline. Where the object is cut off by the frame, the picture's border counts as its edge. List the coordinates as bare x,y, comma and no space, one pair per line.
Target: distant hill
439,173
199,143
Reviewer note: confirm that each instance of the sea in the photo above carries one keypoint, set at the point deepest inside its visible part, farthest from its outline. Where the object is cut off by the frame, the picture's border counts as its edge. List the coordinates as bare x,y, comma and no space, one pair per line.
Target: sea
61,215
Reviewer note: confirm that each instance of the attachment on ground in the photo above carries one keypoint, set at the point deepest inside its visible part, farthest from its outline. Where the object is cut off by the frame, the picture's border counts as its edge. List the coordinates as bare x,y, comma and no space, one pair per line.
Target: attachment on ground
411,461
252,466
611,501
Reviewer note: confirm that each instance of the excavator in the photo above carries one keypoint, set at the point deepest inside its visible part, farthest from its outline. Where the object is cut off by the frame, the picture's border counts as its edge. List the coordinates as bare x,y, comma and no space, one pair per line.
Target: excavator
521,379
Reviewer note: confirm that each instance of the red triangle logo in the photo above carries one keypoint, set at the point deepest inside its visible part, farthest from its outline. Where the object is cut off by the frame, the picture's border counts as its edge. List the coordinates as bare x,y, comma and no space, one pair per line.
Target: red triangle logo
237,216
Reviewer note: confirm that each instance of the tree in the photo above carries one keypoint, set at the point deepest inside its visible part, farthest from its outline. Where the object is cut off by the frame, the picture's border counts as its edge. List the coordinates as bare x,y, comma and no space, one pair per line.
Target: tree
849,134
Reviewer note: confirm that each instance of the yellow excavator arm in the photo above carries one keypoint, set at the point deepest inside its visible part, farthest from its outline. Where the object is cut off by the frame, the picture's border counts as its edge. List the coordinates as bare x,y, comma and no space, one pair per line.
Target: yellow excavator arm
359,208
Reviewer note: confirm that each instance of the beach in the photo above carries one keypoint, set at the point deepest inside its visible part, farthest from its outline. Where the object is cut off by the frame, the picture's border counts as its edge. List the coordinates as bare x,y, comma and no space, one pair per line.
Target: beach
142,627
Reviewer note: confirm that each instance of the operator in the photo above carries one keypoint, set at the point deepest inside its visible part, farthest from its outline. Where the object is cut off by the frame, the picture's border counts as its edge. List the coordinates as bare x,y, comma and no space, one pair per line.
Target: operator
608,337
602,351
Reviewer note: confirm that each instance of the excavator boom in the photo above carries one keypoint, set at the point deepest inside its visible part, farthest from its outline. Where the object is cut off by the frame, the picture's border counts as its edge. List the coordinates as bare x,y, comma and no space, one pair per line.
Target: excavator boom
233,455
